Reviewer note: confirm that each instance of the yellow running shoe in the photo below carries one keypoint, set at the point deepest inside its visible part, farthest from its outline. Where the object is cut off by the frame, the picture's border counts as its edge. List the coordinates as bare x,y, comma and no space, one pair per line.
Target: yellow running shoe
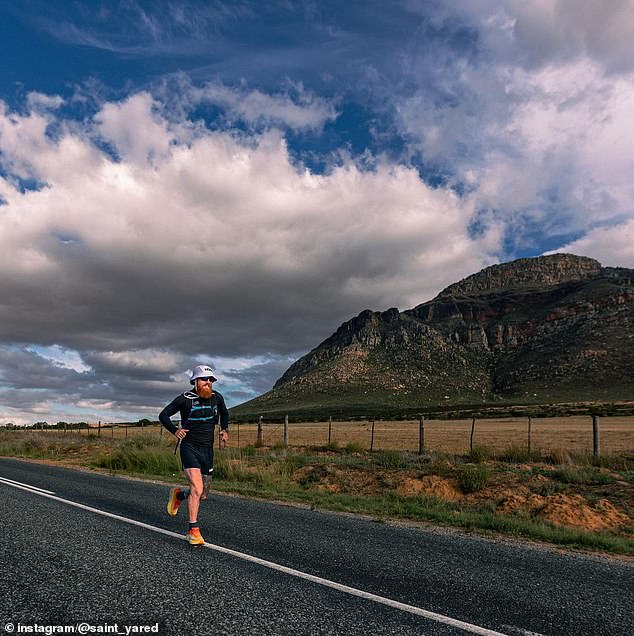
194,537
173,503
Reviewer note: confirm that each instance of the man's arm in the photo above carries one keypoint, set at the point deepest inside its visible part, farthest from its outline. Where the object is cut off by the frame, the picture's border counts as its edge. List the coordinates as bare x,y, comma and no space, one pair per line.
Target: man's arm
171,409
223,412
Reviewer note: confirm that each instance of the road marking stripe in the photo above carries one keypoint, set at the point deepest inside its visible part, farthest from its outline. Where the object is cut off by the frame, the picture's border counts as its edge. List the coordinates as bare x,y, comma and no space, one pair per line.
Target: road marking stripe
439,618
11,482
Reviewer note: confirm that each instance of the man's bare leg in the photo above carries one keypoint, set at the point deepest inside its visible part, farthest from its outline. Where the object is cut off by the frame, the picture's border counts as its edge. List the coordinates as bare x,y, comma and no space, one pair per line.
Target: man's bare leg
195,477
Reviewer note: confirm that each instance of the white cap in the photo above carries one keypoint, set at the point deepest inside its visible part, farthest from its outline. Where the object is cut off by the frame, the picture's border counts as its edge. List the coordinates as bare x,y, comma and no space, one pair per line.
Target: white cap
202,371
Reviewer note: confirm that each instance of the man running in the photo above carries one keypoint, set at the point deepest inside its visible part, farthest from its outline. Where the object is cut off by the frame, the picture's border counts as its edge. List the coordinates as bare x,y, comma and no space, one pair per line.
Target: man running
199,411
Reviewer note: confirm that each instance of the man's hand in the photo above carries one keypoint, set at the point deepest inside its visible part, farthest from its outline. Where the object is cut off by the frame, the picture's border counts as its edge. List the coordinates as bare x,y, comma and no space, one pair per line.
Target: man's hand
224,436
180,433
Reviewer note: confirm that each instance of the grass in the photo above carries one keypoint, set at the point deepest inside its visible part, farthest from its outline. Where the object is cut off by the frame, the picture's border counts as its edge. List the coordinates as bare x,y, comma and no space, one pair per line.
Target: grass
395,460
347,478
514,454
141,455
473,477
581,475
479,454
38,446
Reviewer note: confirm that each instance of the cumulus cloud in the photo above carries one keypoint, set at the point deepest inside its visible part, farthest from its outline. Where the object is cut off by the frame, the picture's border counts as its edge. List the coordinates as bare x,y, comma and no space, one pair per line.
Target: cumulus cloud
535,126
611,246
563,30
155,242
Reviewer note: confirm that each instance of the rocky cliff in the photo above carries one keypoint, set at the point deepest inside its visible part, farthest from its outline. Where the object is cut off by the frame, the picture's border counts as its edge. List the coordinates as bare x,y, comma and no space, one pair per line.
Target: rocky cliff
553,328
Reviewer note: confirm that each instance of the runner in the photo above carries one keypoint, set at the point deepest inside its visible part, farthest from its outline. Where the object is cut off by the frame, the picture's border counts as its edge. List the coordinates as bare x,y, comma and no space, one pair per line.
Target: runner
200,410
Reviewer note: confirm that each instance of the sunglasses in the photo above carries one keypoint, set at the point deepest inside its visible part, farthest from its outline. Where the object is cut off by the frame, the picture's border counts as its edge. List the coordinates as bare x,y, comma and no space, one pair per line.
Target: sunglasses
206,379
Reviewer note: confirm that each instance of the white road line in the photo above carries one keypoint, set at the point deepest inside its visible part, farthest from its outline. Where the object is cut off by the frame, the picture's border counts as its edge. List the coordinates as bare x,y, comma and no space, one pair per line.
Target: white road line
11,482
439,618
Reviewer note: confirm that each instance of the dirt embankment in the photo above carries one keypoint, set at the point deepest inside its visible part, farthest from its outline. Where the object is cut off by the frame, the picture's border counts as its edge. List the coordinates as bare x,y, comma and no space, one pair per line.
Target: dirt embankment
608,507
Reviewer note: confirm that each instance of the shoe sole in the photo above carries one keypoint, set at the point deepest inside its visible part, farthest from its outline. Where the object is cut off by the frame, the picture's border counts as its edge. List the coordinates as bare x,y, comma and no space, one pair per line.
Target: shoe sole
196,542
170,510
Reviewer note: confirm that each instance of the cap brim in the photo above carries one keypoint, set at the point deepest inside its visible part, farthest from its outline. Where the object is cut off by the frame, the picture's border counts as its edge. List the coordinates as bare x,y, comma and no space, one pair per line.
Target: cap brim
213,379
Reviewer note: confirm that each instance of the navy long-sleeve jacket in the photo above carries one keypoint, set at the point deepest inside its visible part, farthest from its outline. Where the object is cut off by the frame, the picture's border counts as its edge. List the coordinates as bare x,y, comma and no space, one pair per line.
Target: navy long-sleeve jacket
198,415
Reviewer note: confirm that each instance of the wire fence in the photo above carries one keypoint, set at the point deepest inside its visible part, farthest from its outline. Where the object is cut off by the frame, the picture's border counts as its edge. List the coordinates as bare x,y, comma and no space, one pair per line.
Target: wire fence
574,434
605,435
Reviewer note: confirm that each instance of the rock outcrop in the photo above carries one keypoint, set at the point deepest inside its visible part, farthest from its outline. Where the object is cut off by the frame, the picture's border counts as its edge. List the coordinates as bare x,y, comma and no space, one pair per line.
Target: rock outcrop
553,328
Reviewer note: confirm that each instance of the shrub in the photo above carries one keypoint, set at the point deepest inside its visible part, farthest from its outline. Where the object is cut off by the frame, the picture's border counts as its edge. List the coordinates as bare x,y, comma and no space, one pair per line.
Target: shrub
391,459
473,477
353,447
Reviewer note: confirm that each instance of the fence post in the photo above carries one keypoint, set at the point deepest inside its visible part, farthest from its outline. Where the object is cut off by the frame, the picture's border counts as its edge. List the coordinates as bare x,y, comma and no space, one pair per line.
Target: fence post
126,431
421,435
238,434
596,451
329,429
473,419
260,441
112,429
372,438
99,429
286,430
529,434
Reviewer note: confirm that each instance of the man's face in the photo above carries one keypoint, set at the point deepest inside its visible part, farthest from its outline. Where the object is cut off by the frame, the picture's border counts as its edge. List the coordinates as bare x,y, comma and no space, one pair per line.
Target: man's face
204,387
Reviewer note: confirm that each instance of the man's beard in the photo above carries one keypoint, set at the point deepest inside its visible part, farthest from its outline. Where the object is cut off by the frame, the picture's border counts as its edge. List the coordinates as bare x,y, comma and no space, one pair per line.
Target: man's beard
204,390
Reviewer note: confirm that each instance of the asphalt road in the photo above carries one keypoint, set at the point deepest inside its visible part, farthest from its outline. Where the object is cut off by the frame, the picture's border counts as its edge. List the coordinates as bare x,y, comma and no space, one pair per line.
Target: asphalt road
63,565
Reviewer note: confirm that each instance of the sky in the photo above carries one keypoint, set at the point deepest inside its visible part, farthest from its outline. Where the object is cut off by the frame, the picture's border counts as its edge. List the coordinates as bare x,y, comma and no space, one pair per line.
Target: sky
188,181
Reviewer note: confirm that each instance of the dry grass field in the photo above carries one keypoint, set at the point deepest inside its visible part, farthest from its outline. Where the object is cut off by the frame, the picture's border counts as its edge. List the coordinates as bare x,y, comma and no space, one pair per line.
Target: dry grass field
573,434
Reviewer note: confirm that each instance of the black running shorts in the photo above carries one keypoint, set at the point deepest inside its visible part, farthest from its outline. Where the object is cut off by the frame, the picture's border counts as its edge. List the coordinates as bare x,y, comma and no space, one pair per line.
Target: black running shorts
195,456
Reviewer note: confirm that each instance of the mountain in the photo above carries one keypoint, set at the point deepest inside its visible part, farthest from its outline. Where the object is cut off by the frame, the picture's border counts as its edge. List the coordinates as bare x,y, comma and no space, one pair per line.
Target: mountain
556,328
